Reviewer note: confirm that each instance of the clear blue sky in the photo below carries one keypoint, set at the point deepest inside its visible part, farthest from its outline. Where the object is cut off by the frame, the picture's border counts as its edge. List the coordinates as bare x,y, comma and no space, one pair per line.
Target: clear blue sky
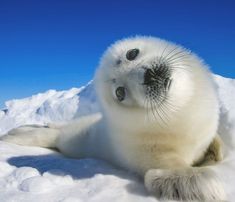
55,44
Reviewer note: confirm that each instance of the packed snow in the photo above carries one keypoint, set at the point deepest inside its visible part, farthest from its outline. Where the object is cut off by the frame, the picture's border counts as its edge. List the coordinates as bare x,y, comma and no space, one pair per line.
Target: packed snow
38,174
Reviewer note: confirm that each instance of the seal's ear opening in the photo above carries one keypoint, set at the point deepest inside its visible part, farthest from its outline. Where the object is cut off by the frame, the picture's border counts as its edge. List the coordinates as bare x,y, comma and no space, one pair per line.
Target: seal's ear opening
132,54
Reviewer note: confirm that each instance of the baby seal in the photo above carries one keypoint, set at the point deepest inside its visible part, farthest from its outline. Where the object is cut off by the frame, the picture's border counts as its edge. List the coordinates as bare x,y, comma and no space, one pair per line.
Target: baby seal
159,119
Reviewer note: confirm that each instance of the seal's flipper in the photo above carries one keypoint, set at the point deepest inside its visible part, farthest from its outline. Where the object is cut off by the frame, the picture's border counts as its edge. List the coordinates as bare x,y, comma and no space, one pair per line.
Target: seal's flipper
213,154
33,135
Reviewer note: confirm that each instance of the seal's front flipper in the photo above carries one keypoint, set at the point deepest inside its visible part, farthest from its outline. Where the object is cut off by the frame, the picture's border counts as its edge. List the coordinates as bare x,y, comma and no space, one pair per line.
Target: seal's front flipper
185,184
214,153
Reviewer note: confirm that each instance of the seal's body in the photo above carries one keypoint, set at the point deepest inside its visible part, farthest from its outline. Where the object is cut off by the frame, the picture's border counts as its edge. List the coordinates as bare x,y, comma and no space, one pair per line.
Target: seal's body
159,118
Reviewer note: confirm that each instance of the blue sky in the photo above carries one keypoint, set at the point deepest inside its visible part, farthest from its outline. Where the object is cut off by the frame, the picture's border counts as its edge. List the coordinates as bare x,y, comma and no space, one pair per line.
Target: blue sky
55,44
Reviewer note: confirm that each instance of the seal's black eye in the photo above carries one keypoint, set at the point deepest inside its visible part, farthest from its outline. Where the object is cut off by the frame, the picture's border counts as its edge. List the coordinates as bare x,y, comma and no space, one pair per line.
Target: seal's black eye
120,93
132,54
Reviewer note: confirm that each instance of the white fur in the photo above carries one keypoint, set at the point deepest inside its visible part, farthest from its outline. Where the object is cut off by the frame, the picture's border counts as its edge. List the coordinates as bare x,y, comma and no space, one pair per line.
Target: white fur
129,135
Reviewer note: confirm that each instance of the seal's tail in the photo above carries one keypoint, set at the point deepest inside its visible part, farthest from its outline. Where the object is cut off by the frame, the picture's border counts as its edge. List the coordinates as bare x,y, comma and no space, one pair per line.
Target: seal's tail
189,184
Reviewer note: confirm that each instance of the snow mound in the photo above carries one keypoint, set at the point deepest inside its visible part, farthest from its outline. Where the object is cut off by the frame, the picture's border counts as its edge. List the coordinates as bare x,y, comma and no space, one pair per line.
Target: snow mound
48,107
38,174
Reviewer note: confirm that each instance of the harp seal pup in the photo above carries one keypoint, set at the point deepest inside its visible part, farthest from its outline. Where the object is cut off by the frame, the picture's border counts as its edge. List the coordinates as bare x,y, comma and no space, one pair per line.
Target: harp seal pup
159,119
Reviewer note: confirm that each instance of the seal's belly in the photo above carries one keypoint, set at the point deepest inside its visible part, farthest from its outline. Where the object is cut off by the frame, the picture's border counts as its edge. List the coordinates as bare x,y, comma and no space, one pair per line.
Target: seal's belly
142,154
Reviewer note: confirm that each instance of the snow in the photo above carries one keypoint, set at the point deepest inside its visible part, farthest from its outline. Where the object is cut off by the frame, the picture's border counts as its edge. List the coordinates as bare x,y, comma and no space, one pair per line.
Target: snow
38,174
49,107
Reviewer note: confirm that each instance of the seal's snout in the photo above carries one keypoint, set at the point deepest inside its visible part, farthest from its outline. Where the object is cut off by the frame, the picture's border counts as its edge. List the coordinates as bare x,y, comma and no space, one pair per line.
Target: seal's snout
149,77
157,75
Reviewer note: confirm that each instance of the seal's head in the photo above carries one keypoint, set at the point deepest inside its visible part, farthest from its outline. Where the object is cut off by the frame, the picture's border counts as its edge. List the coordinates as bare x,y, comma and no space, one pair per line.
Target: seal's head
147,79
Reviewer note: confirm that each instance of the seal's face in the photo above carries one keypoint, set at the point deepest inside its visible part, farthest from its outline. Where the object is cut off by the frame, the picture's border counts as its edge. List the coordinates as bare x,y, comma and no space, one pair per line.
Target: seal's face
154,76
142,75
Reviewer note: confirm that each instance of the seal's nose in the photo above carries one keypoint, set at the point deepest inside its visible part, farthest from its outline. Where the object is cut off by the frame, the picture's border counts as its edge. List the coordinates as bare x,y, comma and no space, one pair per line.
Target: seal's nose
157,76
149,77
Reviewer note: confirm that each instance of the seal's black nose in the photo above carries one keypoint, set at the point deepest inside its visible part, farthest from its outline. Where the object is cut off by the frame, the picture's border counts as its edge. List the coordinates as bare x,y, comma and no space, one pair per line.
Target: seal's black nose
158,76
149,77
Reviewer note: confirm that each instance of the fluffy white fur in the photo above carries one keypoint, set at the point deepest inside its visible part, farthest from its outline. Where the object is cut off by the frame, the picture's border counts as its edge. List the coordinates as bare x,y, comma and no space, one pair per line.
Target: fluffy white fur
160,145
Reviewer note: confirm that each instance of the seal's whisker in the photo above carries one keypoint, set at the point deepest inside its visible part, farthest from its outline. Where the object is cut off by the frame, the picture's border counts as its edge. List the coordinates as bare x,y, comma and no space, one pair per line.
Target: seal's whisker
177,60
170,106
152,109
146,105
170,52
183,66
176,56
165,101
159,113
163,113
156,111
161,57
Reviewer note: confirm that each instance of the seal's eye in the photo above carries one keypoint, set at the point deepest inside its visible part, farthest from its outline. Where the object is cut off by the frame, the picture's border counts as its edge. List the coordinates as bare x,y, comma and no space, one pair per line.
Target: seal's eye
132,54
120,93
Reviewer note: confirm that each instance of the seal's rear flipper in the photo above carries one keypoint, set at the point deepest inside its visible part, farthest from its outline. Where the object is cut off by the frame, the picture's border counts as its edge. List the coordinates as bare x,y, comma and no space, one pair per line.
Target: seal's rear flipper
57,136
33,135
